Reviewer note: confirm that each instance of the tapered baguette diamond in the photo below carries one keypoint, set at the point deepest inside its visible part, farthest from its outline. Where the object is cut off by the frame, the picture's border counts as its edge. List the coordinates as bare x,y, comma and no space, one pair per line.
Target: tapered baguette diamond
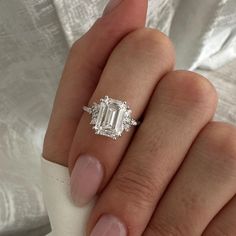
111,117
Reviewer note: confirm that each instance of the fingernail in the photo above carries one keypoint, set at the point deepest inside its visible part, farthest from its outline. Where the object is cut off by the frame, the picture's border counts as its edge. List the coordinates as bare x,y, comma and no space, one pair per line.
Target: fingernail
86,178
109,225
111,5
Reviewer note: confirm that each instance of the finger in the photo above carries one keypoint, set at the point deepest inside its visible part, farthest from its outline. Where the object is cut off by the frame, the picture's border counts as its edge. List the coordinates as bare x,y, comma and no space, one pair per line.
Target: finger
131,74
182,104
224,223
203,185
85,63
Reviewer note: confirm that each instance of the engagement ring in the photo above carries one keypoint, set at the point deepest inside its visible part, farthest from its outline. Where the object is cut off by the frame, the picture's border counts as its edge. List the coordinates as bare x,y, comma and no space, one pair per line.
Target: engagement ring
110,117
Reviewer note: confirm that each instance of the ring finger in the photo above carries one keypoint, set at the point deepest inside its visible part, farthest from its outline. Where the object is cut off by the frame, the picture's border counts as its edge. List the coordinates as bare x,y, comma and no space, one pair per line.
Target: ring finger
82,71
131,74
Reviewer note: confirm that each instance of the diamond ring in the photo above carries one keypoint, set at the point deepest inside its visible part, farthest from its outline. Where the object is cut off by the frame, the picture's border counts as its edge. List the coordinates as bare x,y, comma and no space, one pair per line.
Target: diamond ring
111,117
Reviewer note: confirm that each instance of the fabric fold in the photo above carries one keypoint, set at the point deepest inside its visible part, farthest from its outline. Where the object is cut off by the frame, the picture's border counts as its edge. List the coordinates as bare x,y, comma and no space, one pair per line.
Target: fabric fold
203,32
65,218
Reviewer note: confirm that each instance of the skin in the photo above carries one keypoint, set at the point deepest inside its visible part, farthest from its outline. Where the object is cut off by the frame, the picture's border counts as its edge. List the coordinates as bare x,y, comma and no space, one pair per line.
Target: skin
176,172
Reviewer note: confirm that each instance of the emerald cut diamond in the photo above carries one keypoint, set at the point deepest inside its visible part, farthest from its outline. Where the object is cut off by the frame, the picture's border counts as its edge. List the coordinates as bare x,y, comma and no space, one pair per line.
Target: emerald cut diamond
110,117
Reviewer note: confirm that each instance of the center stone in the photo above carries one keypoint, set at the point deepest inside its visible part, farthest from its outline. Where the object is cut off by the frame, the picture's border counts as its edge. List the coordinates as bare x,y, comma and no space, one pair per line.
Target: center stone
110,117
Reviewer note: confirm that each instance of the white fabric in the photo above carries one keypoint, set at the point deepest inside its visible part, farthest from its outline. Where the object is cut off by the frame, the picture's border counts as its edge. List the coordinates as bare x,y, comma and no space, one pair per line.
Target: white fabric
65,217
203,31
35,36
32,54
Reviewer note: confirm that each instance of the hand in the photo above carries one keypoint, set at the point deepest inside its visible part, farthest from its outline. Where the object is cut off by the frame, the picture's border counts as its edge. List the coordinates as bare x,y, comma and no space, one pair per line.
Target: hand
173,175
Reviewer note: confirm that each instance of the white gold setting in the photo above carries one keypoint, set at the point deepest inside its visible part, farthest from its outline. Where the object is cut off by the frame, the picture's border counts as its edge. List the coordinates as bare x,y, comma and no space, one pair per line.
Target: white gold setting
110,117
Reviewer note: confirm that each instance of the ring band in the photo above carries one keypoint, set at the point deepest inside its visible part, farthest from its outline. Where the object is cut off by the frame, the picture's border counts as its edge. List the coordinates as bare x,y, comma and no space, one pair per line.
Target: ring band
111,117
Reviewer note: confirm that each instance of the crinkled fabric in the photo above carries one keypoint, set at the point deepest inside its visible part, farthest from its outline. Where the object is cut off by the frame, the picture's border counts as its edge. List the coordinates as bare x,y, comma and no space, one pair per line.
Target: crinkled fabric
66,218
32,54
203,32
35,36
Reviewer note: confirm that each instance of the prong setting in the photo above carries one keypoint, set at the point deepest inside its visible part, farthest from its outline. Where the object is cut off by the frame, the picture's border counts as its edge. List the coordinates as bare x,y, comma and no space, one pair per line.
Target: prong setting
110,117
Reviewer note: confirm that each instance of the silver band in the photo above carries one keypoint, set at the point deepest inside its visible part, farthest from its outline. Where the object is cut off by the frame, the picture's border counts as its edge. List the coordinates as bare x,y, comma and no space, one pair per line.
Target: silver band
111,117
87,109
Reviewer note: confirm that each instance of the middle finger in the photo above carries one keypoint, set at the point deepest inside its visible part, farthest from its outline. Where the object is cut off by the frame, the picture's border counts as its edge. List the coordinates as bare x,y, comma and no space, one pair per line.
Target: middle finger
181,105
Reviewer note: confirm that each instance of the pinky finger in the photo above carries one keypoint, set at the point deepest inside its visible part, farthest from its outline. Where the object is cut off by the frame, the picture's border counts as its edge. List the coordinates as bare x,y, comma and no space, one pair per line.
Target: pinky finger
224,223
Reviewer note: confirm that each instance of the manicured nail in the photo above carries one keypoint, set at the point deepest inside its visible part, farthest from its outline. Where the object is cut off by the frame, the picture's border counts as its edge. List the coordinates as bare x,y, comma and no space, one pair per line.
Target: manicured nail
111,5
86,178
109,225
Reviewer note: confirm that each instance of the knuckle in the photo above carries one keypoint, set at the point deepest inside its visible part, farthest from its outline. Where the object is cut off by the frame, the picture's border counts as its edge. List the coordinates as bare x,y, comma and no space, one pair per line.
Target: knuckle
136,185
189,87
76,46
221,137
217,231
108,30
164,228
149,39
152,43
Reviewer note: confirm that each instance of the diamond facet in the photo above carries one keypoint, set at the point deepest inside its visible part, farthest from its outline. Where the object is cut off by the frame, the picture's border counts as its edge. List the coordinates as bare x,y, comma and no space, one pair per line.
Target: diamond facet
111,117
109,120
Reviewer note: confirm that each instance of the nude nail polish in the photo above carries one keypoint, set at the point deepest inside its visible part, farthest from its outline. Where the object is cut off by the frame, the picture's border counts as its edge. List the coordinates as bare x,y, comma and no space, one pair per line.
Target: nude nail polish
86,178
109,225
112,4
